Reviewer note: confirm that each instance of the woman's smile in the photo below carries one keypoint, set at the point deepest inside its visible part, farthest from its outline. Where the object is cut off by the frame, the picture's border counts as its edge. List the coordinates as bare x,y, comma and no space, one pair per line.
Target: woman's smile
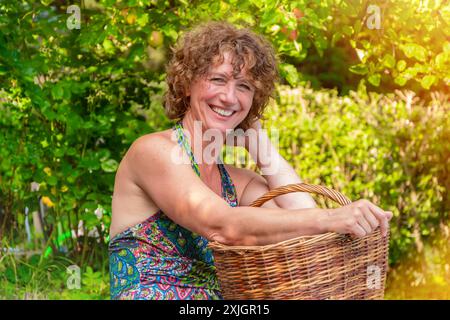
221,112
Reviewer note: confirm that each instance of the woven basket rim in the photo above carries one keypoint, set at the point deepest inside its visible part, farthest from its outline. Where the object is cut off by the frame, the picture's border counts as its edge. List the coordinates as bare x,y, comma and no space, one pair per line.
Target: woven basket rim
304,239
301,240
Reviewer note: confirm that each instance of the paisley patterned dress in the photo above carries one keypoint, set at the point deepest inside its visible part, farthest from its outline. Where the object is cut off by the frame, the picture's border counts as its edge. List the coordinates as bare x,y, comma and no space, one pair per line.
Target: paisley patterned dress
160,260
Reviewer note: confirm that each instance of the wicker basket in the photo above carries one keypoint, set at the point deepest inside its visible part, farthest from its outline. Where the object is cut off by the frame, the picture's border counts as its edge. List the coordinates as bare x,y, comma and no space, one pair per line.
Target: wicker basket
326,266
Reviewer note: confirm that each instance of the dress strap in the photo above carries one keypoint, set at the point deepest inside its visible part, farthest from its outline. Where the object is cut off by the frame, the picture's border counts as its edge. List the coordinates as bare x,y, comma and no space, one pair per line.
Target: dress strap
228,189
182,141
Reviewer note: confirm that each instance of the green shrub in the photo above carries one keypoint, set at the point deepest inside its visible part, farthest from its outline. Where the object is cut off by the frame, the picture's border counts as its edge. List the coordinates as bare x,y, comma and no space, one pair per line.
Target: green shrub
73,100
391,149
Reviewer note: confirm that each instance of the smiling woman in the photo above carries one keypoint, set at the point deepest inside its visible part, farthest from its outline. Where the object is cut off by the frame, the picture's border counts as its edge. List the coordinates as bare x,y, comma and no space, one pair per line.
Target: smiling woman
209,45
164,210
218,99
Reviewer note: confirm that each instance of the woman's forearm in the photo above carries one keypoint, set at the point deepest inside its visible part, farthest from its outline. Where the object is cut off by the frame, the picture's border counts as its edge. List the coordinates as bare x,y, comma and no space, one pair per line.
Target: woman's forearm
278,172
247,226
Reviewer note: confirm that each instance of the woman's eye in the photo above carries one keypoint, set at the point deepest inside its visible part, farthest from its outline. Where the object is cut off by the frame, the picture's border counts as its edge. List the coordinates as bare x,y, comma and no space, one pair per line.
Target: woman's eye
217,79
246,87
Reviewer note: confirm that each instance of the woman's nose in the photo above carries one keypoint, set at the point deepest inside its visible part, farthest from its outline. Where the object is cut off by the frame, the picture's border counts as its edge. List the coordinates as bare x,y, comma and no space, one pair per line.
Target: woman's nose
228,95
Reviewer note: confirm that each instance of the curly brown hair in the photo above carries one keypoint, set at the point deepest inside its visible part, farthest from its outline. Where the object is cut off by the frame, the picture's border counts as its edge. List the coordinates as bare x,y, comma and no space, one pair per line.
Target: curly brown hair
204,46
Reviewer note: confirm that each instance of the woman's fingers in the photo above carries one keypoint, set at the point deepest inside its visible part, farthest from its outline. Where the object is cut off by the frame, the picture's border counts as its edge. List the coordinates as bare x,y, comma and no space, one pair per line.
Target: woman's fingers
363,223
371,219
361,218
389,215
382,217
358,231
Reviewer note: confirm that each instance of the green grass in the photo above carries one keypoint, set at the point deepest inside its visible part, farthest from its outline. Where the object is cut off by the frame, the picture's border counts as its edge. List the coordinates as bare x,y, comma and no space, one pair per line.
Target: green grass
42,278
425,274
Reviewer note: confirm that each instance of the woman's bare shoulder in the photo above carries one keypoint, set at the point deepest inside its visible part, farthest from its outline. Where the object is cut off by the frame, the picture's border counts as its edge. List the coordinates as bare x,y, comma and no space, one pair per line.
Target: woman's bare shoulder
160,137
152,143
154,147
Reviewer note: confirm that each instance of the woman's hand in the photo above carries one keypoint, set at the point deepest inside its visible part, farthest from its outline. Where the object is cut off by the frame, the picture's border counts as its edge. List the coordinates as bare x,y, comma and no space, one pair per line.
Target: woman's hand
256,125
249,137
359,218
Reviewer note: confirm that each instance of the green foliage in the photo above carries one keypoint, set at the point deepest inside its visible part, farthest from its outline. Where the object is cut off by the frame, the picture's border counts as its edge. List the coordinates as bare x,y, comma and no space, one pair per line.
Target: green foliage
425,273
407,47
34,277
73,100
29,275
391,149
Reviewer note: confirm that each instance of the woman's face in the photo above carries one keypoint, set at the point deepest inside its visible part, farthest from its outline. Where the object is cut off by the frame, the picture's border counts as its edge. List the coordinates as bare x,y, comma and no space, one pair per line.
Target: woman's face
219,100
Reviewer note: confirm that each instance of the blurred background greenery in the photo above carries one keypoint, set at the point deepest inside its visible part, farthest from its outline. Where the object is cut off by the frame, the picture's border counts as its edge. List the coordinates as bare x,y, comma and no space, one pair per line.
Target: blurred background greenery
362,105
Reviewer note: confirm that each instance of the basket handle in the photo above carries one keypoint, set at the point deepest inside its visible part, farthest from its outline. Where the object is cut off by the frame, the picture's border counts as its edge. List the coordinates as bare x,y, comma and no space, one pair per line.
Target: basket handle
302,187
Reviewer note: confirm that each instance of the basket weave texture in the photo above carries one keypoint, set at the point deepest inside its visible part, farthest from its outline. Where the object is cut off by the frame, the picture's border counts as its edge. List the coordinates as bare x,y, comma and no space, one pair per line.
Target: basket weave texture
326,266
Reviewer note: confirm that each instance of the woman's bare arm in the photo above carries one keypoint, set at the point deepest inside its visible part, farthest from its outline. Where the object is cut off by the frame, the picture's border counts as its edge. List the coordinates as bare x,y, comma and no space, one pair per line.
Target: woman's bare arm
182,196
275,169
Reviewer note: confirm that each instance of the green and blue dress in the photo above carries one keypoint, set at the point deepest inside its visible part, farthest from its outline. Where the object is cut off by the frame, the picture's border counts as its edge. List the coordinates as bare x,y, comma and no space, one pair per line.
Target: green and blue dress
160,260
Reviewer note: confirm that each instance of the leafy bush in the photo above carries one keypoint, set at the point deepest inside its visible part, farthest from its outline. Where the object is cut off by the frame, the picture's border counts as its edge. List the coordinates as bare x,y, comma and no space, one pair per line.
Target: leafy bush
33,276
391,149
73,100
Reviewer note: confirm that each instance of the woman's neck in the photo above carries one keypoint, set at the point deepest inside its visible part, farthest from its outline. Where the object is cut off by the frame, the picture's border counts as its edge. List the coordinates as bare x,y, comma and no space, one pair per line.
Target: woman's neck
205,144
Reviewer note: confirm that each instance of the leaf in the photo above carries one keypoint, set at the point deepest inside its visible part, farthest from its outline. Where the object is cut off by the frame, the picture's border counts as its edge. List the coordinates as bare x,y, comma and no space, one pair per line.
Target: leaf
169,31
441,60
57,92
290,73
336,37
3,70
389,61
319,48
347,30
89,270
400,80
410,73
143,20
298,46
46,2
359,69
258,3
413,50
446,47
104,154
401,65
428,81
270,18
108,46
374,79
357,26
109,165
44,143
52,181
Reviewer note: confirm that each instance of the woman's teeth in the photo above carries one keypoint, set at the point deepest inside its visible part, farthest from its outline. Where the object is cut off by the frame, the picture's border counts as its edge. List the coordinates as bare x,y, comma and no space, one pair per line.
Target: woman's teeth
222,112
